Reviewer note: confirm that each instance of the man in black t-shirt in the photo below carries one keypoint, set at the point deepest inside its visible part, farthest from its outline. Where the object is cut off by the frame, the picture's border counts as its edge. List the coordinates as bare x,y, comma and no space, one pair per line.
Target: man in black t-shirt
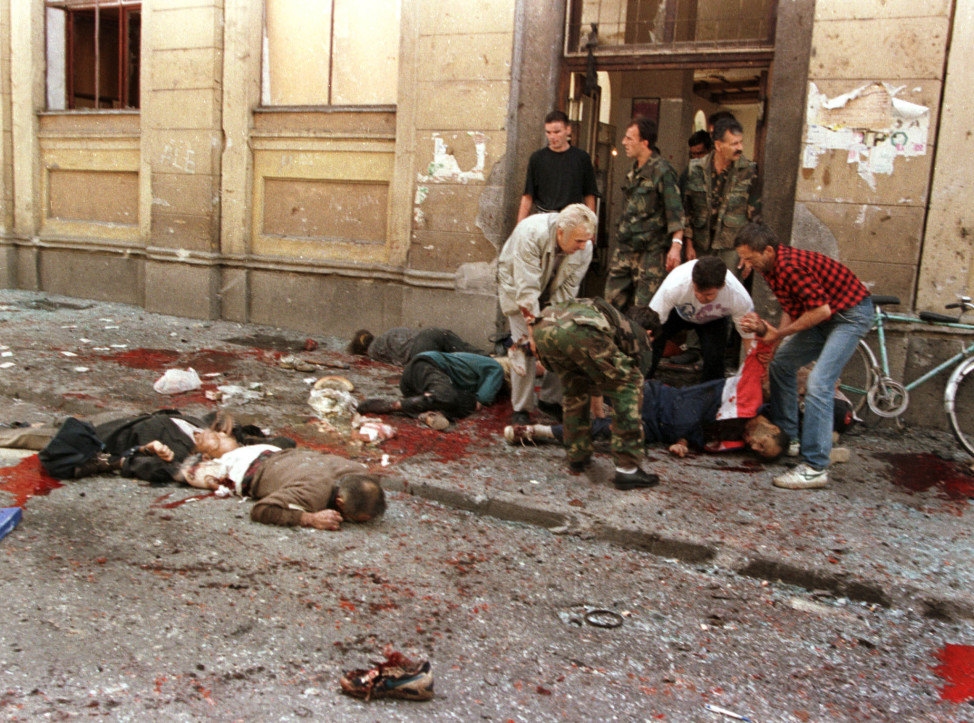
559,174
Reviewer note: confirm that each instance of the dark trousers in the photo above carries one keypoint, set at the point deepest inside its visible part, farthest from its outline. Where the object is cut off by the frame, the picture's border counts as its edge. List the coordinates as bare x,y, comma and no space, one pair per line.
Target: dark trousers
440,340
425,387
713,340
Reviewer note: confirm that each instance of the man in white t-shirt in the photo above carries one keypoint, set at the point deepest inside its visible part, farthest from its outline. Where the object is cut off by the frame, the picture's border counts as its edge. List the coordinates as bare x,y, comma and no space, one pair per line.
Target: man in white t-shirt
701,295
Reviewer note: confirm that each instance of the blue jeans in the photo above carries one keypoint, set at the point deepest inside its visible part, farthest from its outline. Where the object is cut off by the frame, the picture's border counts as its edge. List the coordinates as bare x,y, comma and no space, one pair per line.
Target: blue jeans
830,345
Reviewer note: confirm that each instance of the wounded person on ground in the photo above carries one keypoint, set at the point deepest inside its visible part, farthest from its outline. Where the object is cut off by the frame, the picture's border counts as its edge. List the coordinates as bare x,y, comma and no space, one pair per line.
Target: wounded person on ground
294,487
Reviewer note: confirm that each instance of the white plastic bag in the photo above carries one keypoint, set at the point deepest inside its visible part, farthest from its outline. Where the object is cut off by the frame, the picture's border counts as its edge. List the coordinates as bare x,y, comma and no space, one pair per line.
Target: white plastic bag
175,381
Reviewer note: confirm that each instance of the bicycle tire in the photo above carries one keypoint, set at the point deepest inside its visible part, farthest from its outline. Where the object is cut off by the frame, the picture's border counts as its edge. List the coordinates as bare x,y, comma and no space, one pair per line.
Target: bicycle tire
959,404
857,377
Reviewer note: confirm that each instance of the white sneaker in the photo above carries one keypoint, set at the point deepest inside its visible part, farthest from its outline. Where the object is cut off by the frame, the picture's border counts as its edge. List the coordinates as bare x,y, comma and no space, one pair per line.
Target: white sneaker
794,448
802,477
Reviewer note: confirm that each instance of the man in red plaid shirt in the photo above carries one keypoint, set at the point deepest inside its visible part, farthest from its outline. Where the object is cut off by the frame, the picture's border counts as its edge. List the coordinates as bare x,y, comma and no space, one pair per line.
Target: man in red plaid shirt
826,310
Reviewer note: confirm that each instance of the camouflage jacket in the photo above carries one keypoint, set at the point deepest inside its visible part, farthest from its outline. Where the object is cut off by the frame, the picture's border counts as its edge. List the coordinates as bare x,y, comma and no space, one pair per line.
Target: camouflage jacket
740,203
653,210
628,336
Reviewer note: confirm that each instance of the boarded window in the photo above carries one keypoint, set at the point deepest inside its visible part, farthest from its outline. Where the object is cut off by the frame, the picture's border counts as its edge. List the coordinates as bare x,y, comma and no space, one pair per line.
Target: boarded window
331,52
93,51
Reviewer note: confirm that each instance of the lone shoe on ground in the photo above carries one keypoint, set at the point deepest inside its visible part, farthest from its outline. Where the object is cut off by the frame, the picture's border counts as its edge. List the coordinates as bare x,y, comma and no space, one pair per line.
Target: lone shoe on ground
396,677
802,477
635,480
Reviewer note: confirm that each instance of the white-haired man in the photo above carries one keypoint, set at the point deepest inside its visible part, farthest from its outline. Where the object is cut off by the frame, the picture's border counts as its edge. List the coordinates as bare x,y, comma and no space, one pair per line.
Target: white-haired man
543,262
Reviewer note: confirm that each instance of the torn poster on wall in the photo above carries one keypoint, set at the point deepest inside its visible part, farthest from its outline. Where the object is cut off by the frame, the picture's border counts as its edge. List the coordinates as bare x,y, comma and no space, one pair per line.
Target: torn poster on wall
870,124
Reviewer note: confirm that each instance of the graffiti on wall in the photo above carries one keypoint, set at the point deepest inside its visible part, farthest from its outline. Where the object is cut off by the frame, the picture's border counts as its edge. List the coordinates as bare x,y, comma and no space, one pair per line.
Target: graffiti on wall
870,124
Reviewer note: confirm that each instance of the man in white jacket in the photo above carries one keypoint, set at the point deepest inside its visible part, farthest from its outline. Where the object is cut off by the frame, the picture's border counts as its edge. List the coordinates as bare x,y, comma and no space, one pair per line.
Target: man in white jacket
543,262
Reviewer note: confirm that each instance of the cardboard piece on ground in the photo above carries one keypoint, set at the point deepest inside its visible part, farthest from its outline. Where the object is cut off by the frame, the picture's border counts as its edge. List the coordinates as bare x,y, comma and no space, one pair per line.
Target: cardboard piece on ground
9,517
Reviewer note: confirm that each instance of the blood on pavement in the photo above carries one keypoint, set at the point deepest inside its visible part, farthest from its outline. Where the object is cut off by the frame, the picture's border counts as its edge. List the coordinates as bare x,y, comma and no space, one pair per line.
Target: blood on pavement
25,480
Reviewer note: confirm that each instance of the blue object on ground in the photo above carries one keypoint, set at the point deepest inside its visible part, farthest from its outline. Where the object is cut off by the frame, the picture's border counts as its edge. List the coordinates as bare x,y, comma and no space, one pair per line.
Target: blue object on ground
9,517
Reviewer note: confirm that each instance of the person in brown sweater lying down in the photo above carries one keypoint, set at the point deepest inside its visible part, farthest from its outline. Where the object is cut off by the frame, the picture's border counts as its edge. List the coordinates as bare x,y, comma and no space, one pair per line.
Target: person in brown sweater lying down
296,487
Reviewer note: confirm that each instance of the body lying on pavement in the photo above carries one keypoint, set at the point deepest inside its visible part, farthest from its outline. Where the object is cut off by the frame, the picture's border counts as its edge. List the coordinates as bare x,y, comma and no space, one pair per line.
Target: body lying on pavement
293,487
149,447
682,418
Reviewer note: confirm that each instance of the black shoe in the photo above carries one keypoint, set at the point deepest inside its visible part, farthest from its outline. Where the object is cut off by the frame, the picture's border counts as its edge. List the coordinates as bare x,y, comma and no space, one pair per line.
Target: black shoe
520,418
580,466
375,406
552,409
635,480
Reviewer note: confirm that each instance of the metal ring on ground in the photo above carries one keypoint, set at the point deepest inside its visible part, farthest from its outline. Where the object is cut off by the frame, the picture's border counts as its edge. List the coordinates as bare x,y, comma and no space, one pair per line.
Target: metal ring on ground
603,618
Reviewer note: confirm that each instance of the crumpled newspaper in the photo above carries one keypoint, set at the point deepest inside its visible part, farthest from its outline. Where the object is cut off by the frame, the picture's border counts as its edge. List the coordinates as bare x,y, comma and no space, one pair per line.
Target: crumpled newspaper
332,402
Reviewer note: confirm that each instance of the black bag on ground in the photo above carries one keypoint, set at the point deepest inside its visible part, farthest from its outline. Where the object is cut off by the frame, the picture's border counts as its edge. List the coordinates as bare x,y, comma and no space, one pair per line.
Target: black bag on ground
73,445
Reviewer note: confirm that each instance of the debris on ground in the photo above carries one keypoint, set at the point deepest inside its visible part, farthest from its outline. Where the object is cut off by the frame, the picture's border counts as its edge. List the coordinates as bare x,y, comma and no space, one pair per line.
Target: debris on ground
176,381
9,518
332,402
396,677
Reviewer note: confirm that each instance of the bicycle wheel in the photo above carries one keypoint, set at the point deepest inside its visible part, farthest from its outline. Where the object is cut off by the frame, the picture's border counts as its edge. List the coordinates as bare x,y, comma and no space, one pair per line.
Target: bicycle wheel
959,404
857,377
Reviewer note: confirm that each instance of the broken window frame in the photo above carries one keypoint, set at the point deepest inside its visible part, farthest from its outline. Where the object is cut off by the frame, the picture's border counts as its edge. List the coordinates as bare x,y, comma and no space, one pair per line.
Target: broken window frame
577,33
65,16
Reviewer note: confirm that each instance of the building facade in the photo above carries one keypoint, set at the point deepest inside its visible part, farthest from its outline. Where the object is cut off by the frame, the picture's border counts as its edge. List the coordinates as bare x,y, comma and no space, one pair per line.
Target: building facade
358,163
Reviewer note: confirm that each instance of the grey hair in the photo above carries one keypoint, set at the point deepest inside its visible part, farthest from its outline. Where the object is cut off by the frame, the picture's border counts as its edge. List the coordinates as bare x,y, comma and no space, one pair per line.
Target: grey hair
577,215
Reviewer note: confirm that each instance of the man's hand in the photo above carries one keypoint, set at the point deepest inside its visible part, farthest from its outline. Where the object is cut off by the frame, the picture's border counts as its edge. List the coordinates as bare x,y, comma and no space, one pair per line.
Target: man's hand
673,258
159,450
751,322
597,407
322,520
688,245
680,448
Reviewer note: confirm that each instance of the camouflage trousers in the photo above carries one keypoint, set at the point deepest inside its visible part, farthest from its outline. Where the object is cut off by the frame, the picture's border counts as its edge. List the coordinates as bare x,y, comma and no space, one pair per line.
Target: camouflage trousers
589,363
634,276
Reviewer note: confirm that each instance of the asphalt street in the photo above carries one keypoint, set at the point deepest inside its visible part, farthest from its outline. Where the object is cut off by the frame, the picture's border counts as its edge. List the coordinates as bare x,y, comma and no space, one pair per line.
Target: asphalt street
136,602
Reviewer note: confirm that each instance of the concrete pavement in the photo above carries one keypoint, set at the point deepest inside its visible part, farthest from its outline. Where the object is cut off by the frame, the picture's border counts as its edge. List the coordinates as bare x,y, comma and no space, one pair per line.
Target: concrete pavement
893,528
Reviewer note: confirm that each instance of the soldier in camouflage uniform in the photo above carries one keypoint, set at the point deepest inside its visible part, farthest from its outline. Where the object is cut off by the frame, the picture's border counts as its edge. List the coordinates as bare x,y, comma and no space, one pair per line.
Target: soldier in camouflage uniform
722,194
595,350
651,228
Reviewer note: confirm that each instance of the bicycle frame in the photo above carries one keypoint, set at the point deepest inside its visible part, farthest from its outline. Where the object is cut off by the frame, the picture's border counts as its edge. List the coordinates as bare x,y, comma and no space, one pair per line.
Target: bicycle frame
879,326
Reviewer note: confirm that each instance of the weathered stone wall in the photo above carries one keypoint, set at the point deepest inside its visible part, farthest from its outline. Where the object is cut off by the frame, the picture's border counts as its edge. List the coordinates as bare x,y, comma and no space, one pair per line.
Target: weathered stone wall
865,180
6,136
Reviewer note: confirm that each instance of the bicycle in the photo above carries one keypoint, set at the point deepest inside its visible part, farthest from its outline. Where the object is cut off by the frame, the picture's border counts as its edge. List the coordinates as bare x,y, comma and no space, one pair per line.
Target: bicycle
867,381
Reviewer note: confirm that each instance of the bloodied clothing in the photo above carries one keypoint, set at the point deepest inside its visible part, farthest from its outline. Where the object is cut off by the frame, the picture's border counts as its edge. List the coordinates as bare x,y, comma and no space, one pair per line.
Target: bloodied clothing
595,350
718,205
653,212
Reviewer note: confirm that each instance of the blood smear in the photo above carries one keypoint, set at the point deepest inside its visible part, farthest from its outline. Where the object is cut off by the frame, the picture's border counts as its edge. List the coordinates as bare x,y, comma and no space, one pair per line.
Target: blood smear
25,480
957,668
